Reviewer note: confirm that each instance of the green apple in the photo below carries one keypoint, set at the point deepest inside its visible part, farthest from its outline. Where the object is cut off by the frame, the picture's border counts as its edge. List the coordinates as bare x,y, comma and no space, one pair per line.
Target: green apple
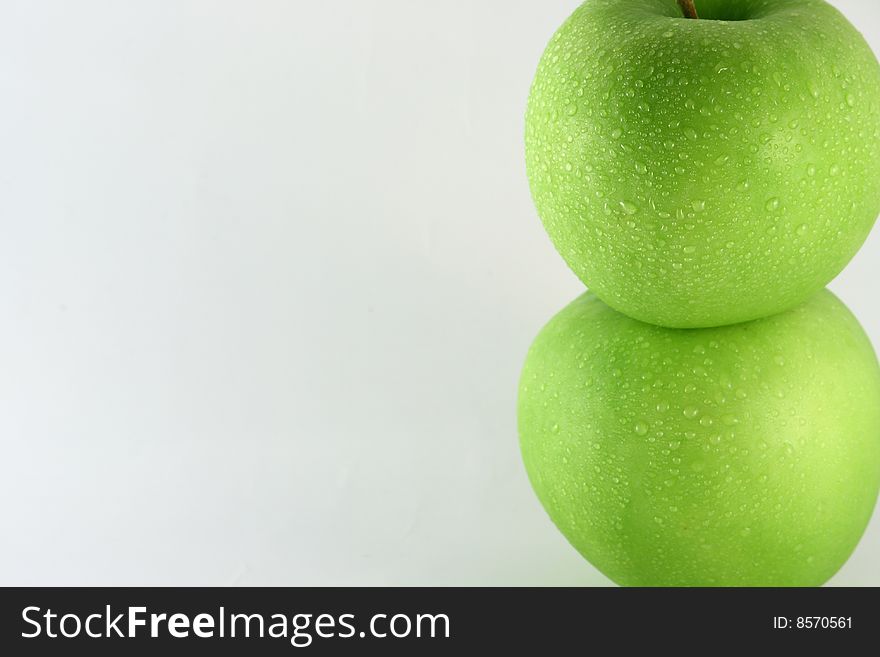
704,172
746,454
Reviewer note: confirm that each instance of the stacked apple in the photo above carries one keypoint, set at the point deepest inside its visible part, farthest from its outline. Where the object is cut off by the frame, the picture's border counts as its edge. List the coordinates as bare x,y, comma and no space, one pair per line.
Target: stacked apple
707,414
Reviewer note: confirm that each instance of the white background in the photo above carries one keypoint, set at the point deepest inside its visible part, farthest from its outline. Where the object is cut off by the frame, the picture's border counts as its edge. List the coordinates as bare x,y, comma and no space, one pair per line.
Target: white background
268,271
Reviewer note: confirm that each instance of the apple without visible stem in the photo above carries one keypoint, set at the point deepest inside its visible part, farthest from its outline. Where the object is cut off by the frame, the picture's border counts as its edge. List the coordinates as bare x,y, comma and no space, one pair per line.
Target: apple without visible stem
740,455
704,172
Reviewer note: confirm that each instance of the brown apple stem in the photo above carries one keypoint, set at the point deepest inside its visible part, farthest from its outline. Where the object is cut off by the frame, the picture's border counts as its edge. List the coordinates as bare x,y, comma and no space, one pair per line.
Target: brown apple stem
687,6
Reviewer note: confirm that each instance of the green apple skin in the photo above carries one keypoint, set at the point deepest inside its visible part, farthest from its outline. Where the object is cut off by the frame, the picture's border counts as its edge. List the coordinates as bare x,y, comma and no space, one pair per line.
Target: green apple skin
742,455
705,172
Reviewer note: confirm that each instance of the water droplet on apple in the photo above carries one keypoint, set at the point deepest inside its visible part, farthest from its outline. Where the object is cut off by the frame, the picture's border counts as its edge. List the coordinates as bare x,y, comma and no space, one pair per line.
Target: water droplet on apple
772,204
641,428
628,207
802,229
691,412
